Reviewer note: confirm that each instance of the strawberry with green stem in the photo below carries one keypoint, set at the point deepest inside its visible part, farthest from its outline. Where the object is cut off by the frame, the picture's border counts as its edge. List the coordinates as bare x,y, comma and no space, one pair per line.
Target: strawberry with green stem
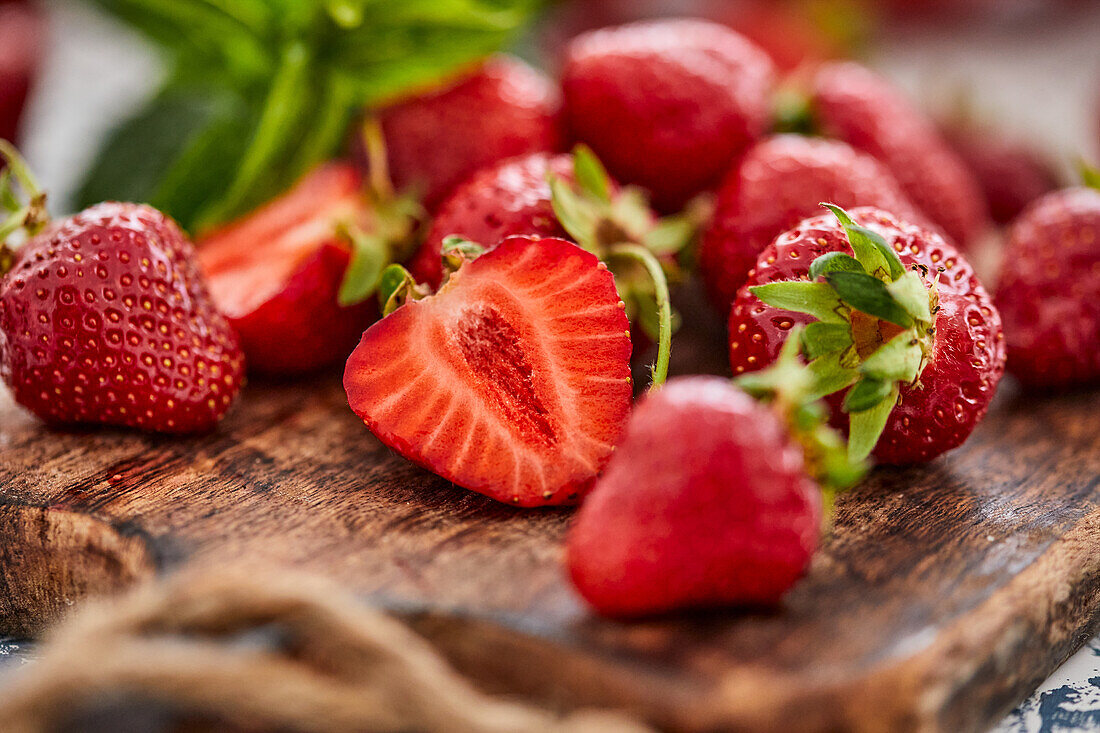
717,495
571,196
105,318
897,321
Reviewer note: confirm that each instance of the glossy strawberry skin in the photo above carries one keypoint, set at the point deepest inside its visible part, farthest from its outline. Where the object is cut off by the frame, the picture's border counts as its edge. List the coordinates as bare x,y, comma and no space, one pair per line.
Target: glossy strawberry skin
968,354
1049,291
510,198
276,275
779,182
1011,174
21,37
512,381
669,104
105,319
857,106
705,503
436,140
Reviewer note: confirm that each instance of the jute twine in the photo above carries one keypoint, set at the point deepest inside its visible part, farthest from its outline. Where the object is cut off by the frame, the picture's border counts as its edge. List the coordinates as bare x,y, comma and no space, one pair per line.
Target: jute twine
339,666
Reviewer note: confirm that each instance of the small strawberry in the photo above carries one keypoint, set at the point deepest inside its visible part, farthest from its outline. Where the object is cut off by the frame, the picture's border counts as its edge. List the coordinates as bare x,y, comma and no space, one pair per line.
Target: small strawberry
437,139
796,35
779,182
852,103
281,274
1049,292
905,324
1011,174
105,319
565,196
712,499
513,380
669,104
21,37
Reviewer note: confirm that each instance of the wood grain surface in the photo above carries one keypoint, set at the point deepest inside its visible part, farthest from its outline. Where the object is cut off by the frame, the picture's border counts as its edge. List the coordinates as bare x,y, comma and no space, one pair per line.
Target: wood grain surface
943,596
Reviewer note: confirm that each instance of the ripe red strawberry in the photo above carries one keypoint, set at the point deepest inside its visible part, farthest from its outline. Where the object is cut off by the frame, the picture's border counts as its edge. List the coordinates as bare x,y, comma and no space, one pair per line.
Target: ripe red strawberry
566,195
513,380
668,104
794,35
712,498
1049,292
923,364
779,182
1011,174
852,103
21,37
276,274
105,319
436,140
510,198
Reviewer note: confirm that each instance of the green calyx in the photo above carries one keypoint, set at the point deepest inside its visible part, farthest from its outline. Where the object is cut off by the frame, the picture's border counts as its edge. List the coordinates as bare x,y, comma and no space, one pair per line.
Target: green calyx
395,222
874,330
644,253
1090,175
789,386
20,217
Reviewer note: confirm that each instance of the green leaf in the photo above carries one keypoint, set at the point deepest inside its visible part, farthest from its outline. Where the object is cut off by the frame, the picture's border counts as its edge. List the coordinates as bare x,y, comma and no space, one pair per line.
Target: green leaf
865,427
396,286
670,236
910,292
830,375
821,338
869,247
574,213
591,176
816,299
1090,175
454,244
834,262
866,393
869,295
369,256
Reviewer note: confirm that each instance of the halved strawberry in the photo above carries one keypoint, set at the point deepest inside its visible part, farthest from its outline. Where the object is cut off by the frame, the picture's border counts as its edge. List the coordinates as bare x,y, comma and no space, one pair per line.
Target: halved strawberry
513,380
276,274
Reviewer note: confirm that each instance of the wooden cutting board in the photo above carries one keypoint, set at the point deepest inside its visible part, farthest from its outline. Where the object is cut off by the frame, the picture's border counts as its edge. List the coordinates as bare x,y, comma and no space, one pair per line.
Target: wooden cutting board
944,595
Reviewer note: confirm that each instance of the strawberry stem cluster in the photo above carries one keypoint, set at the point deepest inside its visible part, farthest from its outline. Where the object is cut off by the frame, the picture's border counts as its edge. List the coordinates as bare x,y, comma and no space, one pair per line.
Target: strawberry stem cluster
29,216
874,329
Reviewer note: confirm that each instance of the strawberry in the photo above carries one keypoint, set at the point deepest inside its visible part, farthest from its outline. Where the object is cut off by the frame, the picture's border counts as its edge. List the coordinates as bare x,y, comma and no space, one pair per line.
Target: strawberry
512,197
105,319
796,35
277,273
21,37
439,138
1011,174
513,380
712,499
905,324
852,103
1049,292
557,196
779,182
669,104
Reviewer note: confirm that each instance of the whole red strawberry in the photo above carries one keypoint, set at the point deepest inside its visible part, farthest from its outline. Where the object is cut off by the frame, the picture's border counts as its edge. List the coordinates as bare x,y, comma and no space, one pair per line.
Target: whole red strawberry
276,274
668,104
713,498
1049,293
510,198
21,37
105,319
1011,174
513,380
905,324
852,103
779,182
436,140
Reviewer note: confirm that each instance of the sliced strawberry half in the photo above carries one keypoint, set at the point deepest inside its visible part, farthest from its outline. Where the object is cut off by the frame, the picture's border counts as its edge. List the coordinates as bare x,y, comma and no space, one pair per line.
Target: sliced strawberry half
513,380
276,274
